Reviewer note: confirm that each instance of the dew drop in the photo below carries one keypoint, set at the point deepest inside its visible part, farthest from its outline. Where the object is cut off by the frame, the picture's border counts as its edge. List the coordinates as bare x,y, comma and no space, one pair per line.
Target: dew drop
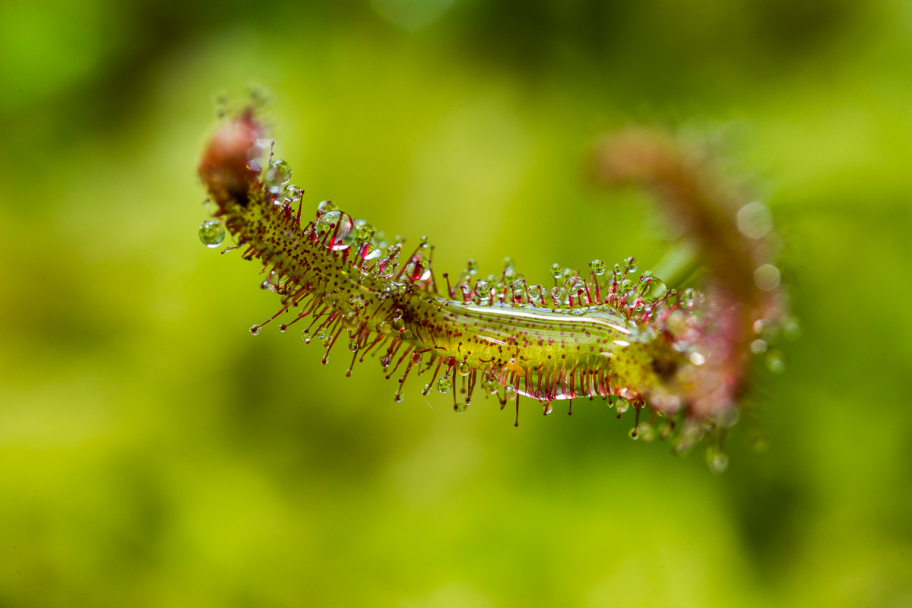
556,270
414,270
259,96
444,385
645,432
363,231
767,277
211,233
293,193
386,268
255,329
597,267
754,220
547,409
631,264
463,368
277,175
460,408
222,103
576,286
535,292
385,361
472,267
326,207
775,361
335,230
353,346
622,405
350,320
559,295
716,460
483,290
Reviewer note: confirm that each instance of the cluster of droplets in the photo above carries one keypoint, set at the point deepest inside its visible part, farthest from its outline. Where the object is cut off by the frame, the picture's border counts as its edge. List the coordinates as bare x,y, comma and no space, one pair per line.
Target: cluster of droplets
619,290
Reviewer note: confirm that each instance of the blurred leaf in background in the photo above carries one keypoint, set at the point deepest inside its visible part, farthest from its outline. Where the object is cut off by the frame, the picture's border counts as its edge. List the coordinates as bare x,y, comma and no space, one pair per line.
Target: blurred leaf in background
153,453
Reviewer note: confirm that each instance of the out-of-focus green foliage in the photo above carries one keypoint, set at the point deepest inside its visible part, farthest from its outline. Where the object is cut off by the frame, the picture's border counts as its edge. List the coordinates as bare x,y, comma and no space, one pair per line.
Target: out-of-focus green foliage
153,453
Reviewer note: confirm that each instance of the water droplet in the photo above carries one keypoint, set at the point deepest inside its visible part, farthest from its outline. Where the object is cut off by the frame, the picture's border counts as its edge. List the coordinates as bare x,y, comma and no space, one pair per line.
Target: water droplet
754,220
621,405
631,264
444,385
385,361
509,393
350,320
716,460
334,230
556,270
559,295
653,287
535,292
519,288
277,175
460,408
758,346
767,277
775,361
547,409
211,233
625,286
292,192
597,267
353,346
645,432
363,231
326,207
386,268
471,266
414,270
576,286
483,290
384,327
463,368
489,386
259,96
255,329
398,324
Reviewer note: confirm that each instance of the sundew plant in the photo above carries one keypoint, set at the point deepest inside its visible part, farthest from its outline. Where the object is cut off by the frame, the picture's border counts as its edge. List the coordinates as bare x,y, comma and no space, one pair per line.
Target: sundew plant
678,360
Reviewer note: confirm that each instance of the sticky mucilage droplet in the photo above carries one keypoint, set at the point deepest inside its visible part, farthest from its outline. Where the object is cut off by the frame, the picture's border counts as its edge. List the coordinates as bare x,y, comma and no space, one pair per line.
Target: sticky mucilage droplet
334,230
211,233
277,175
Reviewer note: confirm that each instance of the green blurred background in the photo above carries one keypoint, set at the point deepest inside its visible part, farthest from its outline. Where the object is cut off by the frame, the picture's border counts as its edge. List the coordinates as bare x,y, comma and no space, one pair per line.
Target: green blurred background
154,453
